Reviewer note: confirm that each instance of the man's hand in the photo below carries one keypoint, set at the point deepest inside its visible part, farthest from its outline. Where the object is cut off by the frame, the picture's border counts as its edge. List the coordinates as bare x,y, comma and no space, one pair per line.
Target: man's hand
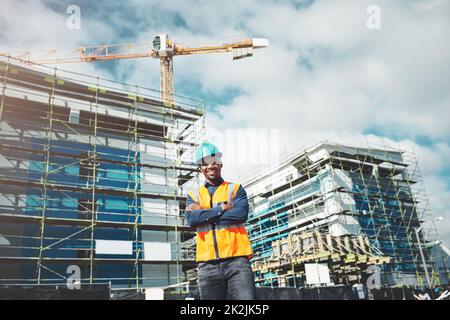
196,206
226,207
192,207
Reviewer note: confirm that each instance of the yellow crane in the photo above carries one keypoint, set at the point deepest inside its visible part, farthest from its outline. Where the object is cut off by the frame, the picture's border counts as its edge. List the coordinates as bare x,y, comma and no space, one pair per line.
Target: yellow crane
162,48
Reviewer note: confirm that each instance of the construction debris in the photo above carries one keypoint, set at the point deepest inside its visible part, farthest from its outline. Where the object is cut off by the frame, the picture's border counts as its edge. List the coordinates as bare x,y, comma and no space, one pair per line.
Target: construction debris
356,198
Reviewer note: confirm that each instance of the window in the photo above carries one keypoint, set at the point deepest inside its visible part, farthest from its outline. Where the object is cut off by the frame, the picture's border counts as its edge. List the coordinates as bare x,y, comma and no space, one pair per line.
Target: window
85,209
289,178
83,253
87,167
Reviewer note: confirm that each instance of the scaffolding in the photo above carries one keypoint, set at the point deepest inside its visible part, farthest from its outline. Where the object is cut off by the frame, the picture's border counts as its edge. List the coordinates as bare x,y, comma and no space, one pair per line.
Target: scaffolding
341,191
345,256
87,162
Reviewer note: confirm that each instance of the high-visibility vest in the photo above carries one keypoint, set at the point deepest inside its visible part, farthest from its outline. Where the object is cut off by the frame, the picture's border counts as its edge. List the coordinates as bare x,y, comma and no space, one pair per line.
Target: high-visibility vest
217,240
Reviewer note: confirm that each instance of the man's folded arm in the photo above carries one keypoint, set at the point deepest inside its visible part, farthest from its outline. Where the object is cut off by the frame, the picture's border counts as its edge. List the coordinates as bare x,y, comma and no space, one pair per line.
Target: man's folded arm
239,212
202,216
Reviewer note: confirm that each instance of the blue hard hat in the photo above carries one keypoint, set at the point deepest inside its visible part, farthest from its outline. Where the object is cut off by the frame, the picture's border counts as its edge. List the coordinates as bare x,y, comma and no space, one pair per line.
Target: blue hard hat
206,150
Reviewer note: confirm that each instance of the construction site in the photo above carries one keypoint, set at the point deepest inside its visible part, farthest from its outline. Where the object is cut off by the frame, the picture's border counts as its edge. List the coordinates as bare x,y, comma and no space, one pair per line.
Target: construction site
337,213
94,175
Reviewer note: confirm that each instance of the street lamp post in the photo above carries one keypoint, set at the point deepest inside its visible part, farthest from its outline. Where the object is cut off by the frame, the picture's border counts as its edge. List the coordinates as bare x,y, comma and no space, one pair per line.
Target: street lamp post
417,230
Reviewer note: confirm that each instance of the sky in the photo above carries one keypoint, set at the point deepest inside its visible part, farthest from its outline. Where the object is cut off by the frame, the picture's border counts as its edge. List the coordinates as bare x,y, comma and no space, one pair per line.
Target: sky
335,70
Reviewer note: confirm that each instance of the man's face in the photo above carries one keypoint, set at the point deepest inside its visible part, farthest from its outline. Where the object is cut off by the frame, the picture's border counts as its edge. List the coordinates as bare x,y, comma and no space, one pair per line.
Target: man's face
211,168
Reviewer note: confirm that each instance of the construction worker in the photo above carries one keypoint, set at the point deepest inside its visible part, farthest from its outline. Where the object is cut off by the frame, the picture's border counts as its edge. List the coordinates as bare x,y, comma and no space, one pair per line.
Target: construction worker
218,211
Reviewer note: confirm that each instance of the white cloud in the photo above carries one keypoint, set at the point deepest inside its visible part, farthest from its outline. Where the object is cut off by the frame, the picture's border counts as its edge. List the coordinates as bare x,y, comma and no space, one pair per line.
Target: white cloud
31,25
325,75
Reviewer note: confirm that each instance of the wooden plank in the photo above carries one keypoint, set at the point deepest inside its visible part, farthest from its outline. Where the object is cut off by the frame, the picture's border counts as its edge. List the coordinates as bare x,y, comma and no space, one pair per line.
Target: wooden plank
339,244
319,241
347,244
329,242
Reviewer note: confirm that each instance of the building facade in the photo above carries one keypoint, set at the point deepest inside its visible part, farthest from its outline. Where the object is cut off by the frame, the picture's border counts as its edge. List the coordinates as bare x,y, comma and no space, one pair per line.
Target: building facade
92,180
353,207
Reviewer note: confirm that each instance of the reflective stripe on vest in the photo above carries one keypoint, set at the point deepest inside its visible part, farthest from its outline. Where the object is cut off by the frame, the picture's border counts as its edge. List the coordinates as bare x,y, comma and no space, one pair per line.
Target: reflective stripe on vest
194,194
208,227
230,192
218,241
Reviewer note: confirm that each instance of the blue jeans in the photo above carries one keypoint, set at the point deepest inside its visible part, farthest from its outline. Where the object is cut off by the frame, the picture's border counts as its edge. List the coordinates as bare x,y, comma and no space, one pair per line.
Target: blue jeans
228,278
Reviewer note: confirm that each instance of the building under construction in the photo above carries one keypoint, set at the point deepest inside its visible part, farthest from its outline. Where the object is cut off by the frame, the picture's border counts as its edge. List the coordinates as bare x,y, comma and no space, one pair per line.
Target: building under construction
93,175
340,212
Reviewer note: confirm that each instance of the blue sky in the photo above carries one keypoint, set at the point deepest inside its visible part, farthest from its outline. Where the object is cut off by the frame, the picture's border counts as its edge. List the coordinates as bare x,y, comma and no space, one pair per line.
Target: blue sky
324,76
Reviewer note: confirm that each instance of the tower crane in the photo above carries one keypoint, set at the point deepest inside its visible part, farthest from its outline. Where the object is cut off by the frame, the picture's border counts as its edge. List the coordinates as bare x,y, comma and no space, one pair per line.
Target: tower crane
162,47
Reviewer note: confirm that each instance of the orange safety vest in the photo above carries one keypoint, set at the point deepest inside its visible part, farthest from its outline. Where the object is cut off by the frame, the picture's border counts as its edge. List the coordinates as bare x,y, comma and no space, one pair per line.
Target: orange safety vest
217,241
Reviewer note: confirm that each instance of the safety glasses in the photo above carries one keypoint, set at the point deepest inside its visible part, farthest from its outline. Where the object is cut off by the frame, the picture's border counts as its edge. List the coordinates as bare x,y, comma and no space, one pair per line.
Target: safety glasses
213,159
